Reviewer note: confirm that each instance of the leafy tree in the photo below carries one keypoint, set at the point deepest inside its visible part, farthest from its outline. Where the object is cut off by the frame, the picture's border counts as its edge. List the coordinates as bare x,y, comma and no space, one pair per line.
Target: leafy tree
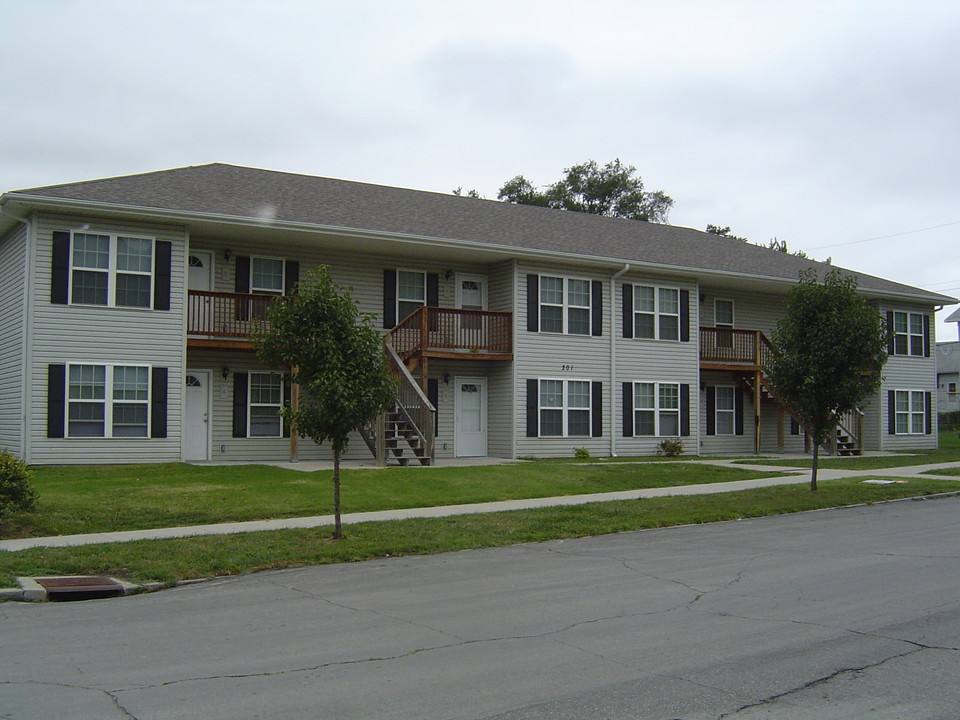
472,193
332,350
831,346
613,190
724,232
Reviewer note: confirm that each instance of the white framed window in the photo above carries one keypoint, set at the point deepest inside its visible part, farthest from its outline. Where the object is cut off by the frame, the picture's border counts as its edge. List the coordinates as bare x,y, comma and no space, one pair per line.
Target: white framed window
656,409
723,313
265,404
108,400
565,305
411,291
266,275
656,312
910,412
908,333
725,410
564,408
115,270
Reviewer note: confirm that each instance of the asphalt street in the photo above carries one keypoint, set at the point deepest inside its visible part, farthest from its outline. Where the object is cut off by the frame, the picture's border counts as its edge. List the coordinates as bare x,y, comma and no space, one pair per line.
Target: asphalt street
849,613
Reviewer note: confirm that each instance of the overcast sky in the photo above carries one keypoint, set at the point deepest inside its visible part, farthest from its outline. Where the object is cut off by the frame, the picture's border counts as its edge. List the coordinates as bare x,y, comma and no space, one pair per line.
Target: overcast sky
831,125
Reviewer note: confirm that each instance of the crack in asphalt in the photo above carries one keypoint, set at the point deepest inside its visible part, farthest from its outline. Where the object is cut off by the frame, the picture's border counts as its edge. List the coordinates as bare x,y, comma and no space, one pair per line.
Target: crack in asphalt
819,681
108,693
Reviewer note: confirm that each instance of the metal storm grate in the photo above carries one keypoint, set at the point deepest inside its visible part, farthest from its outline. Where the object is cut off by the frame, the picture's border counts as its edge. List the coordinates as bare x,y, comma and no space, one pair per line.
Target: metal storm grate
80,588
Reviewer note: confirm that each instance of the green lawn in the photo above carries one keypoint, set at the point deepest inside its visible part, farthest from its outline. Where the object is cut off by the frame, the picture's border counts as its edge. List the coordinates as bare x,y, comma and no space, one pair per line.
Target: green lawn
949,451
171,560
103,498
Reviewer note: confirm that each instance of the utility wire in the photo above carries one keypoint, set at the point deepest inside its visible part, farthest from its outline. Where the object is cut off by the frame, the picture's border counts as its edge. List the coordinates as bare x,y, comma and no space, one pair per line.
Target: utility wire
884,237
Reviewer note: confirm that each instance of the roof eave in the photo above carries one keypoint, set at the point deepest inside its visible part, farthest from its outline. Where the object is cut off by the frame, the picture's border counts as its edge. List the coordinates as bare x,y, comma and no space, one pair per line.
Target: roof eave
185,217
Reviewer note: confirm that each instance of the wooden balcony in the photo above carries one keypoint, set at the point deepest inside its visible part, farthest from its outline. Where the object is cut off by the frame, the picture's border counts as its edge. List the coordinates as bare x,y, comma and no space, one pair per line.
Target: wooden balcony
454,334
224,319
731,349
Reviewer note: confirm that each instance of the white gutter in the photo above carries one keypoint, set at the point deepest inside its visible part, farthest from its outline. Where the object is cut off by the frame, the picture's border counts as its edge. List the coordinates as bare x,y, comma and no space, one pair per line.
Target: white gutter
431,241
613,357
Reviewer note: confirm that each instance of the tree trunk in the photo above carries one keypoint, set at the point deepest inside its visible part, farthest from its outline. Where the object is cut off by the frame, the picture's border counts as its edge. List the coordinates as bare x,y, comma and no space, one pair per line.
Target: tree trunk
337,527
813,466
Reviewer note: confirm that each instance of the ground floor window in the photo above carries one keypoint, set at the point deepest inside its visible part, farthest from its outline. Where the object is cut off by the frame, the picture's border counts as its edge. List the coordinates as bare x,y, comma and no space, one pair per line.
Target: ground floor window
565,408
910,410
725,409
266,402
656,409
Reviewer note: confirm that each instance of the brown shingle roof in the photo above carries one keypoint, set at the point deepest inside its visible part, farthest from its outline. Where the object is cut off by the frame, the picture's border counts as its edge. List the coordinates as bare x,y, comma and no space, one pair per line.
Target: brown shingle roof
242,192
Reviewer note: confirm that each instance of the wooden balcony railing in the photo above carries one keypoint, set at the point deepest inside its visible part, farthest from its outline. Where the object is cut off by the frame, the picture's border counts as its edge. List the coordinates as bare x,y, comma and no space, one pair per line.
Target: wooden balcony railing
225,314
454,331
728,346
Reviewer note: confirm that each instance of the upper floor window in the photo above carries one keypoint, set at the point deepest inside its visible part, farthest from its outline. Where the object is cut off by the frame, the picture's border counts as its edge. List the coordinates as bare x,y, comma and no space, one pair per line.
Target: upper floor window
112,270
909,333
723,313
557,304
656,312
411,292
266,276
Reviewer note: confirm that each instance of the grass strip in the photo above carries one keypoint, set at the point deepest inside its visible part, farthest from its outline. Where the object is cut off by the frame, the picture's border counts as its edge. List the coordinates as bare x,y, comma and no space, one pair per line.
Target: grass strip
168,561
90,499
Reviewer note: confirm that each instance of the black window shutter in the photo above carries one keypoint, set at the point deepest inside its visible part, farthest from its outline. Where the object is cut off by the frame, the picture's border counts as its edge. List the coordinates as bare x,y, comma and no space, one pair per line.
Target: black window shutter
711,410
389,298
685,410
433,395
685,316
891,412
596,307
287,394
239,404
596,409
926,336
627,311
928,412
242,274
158,402
891,346
163,251
627,409
533,303
56,400
433,290
60,271
291,276
738,410
533,408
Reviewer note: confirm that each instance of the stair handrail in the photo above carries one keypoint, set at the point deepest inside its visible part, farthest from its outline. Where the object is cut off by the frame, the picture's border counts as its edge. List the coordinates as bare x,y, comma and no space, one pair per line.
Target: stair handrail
851,423
410,396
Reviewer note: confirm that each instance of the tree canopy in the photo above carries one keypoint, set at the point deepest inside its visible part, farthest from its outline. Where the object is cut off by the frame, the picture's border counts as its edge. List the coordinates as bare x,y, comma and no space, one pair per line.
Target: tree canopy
831,345
613,190
330,349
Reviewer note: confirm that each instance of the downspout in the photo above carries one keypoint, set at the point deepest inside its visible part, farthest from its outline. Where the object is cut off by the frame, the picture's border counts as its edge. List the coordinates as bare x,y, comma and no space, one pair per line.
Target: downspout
26,408
613,357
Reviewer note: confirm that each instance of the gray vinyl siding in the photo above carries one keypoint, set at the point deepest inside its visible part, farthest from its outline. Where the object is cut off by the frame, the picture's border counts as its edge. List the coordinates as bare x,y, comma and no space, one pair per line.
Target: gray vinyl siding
13,292
103,335
909,372
751,311
659,361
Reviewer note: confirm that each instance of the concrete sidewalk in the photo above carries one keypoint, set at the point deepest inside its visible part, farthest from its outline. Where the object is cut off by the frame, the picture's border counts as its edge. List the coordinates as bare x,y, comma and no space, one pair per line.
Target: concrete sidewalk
780,476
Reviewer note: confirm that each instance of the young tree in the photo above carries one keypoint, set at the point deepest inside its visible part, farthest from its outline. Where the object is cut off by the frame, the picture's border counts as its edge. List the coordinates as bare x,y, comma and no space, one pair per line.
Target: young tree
613,190
831,346
333,352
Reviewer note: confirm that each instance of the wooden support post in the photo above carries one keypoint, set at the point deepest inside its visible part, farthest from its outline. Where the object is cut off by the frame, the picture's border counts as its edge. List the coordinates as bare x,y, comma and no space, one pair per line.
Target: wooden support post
294,436
756,409
780,419
380,439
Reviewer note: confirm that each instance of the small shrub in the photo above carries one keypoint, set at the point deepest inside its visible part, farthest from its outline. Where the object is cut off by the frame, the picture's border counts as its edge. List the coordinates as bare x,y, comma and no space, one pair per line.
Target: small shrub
581,453
16,492
671,447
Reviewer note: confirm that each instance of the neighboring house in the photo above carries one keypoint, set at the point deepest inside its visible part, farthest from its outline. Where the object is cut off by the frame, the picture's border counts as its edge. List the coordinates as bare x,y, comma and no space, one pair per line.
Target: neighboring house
948,377
126,305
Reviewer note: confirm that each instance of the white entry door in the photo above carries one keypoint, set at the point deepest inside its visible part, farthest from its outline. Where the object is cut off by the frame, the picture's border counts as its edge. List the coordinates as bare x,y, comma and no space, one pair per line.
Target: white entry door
470,417
196,415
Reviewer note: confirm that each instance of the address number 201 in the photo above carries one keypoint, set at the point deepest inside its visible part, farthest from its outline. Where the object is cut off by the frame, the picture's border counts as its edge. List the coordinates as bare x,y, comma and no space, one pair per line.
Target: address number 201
566,368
